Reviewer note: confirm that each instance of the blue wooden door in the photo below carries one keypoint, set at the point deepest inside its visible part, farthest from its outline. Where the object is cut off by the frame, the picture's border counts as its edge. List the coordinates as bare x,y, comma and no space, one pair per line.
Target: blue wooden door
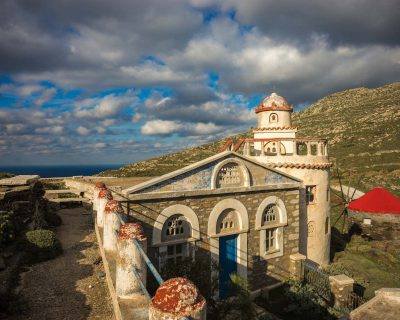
227,263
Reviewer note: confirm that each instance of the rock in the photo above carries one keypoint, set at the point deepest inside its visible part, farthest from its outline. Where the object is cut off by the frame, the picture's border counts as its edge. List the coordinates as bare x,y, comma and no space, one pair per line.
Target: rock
101,274
2,263
7,254
20,180
97,261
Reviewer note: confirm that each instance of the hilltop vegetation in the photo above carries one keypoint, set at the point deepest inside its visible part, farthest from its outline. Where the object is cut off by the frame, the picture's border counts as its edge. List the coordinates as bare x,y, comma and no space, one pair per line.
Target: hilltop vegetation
362,126
363,129
5,175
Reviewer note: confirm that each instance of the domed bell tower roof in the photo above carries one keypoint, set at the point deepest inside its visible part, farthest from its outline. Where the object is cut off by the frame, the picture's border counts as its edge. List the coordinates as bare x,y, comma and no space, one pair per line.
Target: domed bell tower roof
274,103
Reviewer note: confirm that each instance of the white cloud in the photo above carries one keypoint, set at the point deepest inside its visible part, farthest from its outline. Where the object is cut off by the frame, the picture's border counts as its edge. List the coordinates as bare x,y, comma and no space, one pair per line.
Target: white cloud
160,127
136,117
206,128
166,127
45,96
105,107
51,130
14,128
152,73
99,145
108,122
82,131
27,90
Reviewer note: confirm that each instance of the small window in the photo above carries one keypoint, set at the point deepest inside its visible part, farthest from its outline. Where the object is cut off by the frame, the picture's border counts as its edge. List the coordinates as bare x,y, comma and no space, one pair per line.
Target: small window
322,146
328,193
311,194
271,243
273,118
314,149
367,221
327,225
301,148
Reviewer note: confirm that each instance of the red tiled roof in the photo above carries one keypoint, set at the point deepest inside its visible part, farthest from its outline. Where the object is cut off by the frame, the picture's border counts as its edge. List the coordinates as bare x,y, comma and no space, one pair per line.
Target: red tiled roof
300,165
274,128
378,200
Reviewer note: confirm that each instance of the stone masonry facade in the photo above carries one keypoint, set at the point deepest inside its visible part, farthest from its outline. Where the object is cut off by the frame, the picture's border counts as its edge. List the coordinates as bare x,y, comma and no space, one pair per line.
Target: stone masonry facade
260,272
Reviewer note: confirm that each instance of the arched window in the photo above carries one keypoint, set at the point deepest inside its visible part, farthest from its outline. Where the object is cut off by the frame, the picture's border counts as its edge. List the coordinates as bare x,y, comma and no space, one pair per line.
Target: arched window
270,213
271,148
230,175
273,118
270,220
270,217
228,221
176,227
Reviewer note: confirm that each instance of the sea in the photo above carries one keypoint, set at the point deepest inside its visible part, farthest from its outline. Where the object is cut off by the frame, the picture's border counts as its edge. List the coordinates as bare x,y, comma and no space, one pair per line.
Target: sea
59,170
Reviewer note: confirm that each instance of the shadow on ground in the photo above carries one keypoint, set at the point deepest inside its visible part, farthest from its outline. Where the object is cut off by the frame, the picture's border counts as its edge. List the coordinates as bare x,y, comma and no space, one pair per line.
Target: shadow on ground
72,286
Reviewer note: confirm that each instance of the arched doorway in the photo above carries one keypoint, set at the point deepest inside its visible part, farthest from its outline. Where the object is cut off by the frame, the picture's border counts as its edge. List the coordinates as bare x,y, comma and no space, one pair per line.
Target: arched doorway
227,228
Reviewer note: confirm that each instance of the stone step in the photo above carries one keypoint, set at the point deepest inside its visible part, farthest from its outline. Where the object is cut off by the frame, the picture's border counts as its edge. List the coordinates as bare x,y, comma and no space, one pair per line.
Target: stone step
61,200
137,306
60,191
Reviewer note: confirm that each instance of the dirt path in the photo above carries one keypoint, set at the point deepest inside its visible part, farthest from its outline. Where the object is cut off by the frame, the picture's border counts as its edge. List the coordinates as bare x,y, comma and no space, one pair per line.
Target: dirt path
71,286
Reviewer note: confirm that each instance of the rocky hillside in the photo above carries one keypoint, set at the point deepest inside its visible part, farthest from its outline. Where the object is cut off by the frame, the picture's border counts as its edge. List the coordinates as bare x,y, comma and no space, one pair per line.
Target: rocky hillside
362,125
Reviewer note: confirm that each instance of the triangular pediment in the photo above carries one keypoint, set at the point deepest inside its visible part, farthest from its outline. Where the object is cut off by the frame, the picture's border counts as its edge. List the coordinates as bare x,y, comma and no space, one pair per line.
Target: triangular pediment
205,175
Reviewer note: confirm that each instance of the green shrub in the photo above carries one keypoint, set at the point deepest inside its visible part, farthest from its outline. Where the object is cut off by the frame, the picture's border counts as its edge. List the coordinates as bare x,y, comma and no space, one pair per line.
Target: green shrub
5,175
304,302
52,218
243,302
7,229
42,245
195,271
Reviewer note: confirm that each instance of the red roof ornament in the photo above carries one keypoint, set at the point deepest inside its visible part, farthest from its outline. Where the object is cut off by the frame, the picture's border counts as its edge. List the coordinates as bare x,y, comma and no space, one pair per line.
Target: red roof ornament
178,296
113,206
100,185
274,102
132,230
378,200
105,193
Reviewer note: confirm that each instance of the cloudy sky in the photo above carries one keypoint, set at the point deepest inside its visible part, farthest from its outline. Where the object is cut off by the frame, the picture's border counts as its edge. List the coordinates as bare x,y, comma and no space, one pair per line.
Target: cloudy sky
96,82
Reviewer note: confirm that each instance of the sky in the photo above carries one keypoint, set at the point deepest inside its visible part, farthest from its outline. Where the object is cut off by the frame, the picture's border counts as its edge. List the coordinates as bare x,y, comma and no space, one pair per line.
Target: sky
110,82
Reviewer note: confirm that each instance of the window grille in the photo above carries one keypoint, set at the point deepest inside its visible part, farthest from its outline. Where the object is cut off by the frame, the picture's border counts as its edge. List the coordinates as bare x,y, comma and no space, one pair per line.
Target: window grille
270,214
228,221
230,175
176,227
271,243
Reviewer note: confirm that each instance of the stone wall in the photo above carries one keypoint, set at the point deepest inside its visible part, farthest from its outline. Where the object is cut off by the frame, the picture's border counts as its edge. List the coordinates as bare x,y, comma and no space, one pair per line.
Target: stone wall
260,272
382,227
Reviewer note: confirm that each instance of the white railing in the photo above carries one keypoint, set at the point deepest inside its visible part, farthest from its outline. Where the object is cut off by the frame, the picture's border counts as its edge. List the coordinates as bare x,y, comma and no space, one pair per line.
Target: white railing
280,147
